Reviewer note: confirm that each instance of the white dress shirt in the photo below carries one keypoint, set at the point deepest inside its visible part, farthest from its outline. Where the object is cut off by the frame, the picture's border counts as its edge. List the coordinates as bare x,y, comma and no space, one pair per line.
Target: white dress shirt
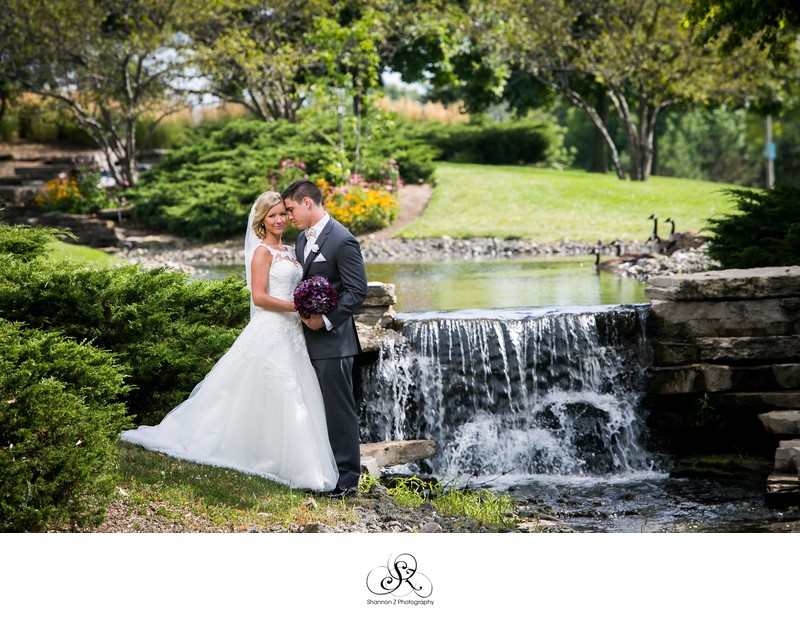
310,241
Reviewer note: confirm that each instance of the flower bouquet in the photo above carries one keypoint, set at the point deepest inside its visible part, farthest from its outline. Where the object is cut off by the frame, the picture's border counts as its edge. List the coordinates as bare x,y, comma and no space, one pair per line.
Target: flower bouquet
314,296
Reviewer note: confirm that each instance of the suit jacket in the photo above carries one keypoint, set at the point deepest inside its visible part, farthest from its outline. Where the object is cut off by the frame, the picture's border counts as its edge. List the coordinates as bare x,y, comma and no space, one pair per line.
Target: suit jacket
338,258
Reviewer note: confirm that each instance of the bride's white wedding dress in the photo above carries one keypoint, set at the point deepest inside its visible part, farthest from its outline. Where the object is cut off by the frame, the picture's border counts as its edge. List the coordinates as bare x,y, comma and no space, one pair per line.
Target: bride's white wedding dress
259,410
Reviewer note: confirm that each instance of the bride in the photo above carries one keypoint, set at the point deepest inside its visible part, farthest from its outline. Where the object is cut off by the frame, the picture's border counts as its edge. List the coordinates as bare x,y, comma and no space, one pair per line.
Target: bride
259,410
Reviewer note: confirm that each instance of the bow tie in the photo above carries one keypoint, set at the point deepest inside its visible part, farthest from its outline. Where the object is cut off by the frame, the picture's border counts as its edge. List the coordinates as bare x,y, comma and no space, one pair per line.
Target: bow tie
310,233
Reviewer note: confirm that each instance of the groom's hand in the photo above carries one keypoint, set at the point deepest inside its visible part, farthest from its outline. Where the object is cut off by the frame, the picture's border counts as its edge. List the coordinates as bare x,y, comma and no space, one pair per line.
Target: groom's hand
314,322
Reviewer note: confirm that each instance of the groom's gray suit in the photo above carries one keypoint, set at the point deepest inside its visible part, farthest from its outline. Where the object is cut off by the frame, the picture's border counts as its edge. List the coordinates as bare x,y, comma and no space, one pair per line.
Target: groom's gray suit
338,258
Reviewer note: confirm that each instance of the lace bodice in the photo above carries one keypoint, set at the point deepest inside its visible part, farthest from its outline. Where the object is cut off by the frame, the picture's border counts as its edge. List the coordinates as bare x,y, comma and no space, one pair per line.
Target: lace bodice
284,273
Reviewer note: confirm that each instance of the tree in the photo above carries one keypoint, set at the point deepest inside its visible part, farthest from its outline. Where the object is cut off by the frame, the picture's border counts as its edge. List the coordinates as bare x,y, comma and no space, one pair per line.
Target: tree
113,63
642,55
277,57
17,53
774,24
350,71
256,53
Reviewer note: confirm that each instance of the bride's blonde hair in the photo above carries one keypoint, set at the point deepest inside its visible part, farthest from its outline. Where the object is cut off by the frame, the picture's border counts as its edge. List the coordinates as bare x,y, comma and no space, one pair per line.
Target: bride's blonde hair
264,203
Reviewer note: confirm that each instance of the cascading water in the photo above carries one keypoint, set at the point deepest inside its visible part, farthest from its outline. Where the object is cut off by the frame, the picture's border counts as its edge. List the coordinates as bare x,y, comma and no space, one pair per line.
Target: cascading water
515,393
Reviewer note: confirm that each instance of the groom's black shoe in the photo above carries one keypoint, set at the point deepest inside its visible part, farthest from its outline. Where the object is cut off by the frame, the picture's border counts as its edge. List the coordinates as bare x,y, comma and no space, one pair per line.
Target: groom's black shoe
340,493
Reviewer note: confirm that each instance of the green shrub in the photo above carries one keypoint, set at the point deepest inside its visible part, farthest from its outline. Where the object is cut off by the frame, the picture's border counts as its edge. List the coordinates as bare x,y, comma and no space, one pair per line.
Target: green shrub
205,188
526,141
9,126
166,331
48,122
27,243
708,144
60,415
765,231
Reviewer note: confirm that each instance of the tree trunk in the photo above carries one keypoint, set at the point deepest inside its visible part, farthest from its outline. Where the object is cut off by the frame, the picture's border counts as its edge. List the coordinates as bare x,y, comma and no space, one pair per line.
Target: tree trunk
632,135
357,102
130,163
600,124
340,114
599,163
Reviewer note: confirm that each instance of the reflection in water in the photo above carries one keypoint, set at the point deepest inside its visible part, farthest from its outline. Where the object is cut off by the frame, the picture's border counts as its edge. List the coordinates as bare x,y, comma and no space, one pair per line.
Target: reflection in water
450,285
495,284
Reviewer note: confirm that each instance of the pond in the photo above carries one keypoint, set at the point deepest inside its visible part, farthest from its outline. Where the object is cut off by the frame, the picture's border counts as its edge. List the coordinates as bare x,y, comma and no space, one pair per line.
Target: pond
450,285
491,284
639,501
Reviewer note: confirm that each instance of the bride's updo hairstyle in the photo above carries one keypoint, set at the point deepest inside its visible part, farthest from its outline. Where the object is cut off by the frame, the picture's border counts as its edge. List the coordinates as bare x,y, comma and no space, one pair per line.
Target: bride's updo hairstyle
264,203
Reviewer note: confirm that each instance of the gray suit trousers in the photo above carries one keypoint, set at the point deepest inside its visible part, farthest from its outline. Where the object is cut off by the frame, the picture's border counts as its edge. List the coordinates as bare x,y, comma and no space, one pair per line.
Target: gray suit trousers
335,377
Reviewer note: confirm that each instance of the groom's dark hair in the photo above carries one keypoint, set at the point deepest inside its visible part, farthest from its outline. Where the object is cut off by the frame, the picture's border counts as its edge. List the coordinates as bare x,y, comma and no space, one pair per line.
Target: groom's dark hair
296,191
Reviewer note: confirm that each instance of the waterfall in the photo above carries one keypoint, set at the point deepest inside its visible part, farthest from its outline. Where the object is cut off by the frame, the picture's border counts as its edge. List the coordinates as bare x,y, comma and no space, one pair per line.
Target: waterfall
515,393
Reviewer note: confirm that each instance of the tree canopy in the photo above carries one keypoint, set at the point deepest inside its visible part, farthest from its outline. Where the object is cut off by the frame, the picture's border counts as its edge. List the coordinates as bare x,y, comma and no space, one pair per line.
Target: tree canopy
120,65
112,64
642,56
774,24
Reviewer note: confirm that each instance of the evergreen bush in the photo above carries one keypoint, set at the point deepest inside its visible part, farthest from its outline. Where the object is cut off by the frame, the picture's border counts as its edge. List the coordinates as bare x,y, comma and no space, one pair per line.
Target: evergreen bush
27,243
205,188
60,416
526,141
765,231
709,144
166,331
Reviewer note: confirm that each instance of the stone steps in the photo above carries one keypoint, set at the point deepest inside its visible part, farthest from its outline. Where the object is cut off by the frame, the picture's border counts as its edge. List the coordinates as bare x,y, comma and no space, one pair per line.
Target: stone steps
783,484
19,193
91,231
758,402
726,352
702,377
785,422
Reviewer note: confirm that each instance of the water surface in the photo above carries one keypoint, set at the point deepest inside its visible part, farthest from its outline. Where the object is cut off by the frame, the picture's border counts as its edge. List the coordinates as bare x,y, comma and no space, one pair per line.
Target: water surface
451,285
505,283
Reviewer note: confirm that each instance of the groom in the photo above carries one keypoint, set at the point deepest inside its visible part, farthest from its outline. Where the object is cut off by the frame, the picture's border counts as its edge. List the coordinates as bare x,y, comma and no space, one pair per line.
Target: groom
326,248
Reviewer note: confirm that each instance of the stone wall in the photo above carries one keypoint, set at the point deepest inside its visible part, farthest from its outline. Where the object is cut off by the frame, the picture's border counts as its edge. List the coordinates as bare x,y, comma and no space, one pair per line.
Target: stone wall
376,316
726,358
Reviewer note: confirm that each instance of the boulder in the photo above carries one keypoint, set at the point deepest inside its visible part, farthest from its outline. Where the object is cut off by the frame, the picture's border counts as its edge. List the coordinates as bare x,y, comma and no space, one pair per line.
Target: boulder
787,456
781,422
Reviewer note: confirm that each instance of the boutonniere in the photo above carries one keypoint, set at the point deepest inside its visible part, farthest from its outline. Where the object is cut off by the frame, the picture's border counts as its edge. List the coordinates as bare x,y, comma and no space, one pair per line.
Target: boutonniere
315,248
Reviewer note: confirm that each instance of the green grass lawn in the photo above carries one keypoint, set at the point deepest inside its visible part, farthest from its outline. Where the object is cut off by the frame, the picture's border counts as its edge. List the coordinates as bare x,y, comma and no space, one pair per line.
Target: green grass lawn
62,251
545,205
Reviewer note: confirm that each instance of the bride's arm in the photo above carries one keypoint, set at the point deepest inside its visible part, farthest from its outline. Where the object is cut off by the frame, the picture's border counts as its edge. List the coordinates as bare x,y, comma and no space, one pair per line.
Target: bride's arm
259,271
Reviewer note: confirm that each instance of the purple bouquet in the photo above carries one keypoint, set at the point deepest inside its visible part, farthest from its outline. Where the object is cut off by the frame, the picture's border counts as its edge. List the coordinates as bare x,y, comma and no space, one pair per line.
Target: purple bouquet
315,296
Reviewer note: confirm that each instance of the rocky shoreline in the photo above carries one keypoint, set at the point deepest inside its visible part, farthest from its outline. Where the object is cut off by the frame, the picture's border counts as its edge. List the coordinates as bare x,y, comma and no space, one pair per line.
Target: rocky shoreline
374,512
161,251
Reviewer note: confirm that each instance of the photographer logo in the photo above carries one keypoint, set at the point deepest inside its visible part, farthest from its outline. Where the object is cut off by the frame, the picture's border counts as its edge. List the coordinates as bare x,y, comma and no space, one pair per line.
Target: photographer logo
399,582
